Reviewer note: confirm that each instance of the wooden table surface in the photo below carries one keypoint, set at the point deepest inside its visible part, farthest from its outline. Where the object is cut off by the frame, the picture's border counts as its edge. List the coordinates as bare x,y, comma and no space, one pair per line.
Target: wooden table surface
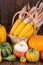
18,63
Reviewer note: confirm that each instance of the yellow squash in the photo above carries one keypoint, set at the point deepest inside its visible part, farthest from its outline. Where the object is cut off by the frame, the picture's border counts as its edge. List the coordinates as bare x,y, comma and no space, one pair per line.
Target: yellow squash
2,34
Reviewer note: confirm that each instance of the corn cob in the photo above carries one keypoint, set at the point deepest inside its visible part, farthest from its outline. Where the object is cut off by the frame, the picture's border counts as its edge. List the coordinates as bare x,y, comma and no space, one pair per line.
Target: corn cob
18,21
19,28
29,33
25,30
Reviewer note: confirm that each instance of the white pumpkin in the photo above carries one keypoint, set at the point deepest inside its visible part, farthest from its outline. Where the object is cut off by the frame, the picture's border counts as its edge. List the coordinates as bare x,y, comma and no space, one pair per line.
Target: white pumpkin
21,46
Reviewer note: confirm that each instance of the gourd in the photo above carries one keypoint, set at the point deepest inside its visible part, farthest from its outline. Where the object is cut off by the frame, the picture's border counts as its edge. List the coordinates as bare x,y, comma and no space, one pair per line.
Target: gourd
19,54
23,59
6,49
10,58
36,42
32,55
2,33
20,49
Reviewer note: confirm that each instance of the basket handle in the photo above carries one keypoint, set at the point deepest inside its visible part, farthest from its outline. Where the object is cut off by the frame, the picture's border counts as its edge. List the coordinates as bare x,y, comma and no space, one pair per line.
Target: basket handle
21,12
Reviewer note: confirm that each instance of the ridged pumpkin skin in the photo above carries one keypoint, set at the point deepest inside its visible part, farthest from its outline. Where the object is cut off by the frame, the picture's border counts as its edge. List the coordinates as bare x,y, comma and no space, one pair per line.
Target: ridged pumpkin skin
32,55
2,34
36,42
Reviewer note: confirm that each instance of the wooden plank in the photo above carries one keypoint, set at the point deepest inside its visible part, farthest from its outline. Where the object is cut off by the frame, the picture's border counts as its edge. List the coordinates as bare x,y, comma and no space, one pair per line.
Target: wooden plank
5,63
0,16
18,63
4,11
41,30
11,10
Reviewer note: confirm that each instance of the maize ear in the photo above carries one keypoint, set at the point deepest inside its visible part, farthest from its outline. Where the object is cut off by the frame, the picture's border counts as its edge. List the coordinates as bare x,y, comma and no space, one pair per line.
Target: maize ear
19,28
29,33
25,30
18,21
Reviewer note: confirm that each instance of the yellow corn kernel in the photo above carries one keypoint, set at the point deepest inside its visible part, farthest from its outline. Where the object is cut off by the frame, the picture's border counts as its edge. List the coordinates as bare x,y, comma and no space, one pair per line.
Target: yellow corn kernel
17,22
29,33
19,28
25,30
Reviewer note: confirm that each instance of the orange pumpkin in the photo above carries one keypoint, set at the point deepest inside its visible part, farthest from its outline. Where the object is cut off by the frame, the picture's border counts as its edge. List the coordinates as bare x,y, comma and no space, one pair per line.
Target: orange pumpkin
36,42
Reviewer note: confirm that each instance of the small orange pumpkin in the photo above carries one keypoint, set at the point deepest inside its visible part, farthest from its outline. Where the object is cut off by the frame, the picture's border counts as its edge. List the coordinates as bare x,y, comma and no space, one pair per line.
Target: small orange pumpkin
36,42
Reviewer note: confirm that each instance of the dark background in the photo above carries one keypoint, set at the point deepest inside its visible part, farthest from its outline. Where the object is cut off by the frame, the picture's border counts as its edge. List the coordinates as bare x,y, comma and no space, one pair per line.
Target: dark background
9,7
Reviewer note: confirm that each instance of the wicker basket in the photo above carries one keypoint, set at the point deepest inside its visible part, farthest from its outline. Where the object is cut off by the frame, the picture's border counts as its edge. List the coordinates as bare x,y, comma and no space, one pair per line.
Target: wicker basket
15,39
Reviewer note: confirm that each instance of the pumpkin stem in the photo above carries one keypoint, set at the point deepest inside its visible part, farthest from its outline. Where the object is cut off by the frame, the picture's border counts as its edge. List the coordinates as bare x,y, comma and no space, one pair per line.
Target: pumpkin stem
32,49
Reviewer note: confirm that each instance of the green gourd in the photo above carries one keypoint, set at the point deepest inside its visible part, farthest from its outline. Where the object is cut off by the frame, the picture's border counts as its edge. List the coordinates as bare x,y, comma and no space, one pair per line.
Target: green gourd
10,58
6,49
